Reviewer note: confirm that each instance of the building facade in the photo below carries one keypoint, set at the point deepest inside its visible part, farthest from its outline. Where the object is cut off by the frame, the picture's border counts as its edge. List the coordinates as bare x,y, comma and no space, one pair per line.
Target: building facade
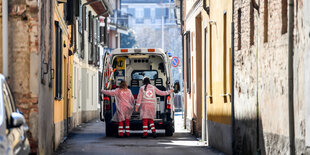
267,120
206,29
153,24
41,48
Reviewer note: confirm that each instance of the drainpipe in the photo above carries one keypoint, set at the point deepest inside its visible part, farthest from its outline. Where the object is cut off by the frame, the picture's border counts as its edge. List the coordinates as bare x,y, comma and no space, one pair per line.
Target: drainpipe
291,77
233,79
5,53
204,120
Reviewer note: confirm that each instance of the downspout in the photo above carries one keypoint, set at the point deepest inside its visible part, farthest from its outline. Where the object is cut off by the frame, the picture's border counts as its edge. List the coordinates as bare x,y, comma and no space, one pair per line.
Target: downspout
182,33
256,6
291,77
204,120
5,53
233,79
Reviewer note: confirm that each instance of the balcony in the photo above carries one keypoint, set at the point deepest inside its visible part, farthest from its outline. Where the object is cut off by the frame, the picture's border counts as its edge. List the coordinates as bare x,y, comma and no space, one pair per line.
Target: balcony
120,20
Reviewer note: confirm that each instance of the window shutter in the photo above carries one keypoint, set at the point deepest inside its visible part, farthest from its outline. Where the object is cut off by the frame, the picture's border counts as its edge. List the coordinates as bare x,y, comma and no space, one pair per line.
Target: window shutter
84,18
188,62
58,93
90,28
69,12
76,4
101,34
105,32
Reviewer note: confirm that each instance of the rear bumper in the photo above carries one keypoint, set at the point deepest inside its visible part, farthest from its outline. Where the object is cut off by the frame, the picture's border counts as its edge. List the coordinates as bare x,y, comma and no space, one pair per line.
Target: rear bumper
137,124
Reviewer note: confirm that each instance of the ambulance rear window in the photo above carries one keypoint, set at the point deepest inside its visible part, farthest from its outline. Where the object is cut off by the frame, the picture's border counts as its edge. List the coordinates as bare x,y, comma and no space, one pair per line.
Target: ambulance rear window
140,74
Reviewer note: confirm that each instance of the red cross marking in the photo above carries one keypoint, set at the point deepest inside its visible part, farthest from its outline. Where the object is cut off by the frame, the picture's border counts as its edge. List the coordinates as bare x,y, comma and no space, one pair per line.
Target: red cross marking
149,93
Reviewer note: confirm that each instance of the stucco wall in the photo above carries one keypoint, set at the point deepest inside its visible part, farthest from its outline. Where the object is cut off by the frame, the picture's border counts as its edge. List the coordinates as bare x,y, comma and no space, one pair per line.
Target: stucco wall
46,121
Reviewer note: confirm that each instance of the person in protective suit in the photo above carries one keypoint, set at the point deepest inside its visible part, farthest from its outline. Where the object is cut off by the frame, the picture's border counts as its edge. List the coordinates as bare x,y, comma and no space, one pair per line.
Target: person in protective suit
147,100
124,106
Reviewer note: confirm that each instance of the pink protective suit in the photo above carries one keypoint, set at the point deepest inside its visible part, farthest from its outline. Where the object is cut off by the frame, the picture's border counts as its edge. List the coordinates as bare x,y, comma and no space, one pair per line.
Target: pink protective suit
147,100
124,103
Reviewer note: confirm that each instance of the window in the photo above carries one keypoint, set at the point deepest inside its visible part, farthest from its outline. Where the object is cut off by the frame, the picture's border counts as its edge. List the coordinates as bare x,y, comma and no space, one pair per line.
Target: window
152,13
188,61
101,34
77,7
139,16
158,13
266,21
252,28
284,16
69,11
80,20
84,18
105,33
98,56
239,29
98,31
58,89
139,13
166,12
139,75
147,13
91,38
90,53
131,11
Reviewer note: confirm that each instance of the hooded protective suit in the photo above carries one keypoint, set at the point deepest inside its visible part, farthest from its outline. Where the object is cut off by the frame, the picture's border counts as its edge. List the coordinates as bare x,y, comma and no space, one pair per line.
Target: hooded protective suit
124,103
147,100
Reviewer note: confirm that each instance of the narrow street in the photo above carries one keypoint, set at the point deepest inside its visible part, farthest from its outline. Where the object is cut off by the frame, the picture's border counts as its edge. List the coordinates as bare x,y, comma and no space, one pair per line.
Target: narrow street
90,138
210,77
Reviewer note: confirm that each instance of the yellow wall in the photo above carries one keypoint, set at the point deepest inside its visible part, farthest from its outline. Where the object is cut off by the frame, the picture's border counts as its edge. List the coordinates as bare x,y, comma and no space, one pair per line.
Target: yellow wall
60,107
218,55
218,66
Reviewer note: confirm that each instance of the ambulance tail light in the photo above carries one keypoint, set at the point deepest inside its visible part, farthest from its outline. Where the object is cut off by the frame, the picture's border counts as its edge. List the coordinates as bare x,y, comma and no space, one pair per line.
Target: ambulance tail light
151,50
106,102
168,103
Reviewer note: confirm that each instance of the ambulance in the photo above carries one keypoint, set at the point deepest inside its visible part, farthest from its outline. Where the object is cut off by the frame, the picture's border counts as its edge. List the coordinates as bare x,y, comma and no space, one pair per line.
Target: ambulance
132,65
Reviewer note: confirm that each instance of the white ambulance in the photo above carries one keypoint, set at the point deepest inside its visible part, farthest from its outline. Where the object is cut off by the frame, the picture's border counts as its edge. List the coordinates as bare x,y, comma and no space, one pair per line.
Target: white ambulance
132,65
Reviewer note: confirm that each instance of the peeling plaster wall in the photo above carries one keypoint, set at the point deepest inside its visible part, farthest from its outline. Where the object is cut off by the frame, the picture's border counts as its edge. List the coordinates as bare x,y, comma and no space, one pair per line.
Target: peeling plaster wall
24,61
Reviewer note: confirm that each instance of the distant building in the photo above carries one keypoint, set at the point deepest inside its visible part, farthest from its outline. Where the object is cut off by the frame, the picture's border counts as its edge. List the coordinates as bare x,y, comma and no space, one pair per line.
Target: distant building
154,18
155,25
149,12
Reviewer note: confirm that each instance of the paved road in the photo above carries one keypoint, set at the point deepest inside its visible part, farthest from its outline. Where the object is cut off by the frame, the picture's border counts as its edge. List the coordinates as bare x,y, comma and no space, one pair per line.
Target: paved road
90,138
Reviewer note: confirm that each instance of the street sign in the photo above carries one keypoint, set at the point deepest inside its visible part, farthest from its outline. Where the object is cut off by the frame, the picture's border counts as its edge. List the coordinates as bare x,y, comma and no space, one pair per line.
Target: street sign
175,61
